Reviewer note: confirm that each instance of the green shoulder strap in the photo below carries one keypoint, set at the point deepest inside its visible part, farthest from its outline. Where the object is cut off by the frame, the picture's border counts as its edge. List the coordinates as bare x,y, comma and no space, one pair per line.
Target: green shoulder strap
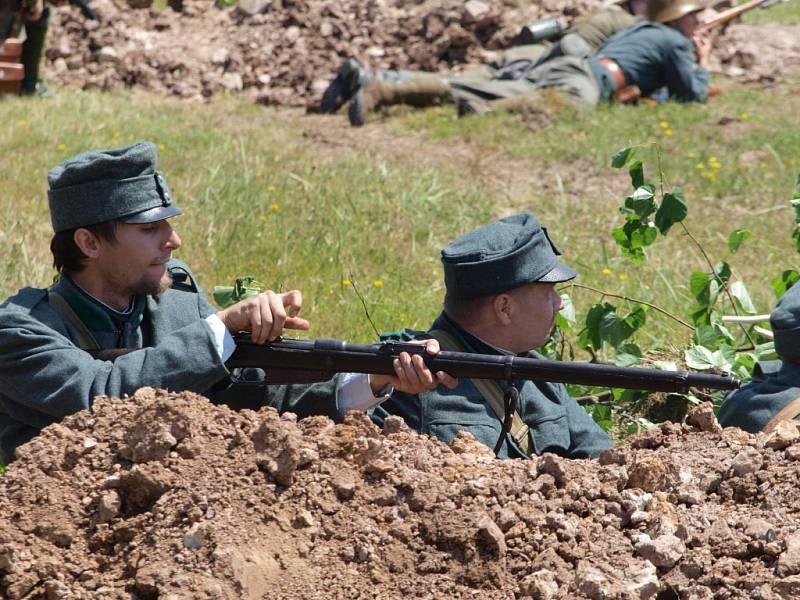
491,392
86,340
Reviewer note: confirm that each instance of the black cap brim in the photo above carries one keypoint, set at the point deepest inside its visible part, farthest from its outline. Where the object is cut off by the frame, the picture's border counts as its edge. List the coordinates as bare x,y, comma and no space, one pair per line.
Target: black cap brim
558,274
159,213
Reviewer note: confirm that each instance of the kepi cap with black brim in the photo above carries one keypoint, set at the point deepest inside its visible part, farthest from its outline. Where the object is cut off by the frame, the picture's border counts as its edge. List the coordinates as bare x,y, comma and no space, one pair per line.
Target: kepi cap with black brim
104,185
500,256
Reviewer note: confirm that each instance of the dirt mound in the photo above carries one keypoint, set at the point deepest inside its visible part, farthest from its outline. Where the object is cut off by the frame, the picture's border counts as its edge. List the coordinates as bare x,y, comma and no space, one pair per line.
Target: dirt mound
167,496
285,51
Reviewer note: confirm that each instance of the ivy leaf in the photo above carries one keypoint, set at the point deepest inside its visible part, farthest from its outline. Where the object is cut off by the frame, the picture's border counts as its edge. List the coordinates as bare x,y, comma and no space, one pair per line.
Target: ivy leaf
621,157
636,170
784,281
736,238
722,271
702,359
742,298
673,210
642,202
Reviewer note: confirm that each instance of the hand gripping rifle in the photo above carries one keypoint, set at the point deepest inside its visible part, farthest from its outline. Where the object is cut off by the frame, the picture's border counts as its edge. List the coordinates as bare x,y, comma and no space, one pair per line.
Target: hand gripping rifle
306,361
728,15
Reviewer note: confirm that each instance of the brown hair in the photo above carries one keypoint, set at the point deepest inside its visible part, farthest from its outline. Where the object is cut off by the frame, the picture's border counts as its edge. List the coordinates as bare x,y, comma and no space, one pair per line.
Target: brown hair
466,311
67,257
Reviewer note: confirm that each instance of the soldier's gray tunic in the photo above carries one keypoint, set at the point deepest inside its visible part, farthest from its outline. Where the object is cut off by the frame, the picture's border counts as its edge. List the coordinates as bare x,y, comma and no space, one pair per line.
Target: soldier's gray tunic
775,384
45,376
557,422
651,55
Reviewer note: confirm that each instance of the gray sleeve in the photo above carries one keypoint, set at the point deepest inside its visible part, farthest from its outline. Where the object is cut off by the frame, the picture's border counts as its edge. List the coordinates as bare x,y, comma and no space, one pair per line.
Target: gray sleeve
685,80
587,438
44,376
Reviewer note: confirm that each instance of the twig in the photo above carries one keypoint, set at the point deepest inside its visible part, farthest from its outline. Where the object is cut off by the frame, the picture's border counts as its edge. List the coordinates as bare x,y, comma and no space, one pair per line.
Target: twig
629,299
718,278
364,304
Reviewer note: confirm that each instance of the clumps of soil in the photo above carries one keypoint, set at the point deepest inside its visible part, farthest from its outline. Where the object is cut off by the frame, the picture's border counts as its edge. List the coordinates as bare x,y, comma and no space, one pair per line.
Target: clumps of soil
285,52
167,496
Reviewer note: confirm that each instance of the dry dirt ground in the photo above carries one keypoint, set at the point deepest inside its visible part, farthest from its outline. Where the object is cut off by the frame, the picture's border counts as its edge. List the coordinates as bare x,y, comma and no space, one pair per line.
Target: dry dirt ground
285,51
168,496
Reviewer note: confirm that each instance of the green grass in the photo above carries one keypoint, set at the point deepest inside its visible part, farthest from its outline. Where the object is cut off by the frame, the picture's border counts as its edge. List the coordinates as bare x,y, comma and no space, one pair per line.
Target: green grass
306,202
786,12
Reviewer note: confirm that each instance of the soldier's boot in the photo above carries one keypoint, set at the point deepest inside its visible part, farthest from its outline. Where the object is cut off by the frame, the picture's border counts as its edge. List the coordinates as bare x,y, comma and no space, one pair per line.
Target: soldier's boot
349,78
421,92
32,50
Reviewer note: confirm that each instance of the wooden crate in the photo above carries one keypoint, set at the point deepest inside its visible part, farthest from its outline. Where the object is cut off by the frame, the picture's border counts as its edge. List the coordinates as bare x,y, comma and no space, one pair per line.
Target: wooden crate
10,50
11,76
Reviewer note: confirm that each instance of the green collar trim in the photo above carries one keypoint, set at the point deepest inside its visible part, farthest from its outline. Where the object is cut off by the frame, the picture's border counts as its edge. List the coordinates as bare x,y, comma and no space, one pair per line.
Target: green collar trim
91,312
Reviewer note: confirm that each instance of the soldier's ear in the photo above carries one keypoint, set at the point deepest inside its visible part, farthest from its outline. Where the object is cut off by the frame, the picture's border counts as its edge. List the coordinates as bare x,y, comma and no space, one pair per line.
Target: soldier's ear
502,308
86,242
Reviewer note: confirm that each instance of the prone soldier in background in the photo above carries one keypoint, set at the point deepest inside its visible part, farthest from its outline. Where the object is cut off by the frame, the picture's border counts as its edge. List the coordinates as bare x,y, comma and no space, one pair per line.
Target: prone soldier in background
368,91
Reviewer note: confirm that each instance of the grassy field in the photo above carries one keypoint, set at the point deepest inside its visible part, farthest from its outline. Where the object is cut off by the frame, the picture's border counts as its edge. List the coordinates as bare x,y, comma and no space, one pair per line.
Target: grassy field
305,201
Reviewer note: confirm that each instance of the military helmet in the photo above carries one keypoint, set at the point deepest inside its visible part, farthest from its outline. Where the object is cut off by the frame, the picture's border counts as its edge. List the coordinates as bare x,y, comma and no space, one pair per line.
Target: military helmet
664,11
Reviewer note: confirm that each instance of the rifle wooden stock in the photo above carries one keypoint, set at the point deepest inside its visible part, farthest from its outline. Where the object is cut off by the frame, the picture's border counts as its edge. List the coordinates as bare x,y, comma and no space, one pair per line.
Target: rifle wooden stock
732,13
301,361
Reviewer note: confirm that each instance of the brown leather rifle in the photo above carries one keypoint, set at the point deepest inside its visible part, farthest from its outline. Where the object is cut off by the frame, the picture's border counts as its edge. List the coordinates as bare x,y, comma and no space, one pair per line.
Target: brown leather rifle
729,15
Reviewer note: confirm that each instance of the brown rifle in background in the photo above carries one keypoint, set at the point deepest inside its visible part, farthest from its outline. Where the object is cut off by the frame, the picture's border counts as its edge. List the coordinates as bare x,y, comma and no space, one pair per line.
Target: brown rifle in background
727,16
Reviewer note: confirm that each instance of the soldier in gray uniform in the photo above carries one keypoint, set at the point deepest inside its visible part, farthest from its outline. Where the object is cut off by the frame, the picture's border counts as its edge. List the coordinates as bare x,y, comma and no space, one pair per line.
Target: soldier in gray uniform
119,288
500,299
776,384
663,52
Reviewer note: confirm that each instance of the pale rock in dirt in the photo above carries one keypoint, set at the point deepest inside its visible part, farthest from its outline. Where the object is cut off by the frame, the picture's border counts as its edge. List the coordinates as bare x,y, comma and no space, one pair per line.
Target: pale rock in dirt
702,416
784,435
539,585
789,560
749,460
663,551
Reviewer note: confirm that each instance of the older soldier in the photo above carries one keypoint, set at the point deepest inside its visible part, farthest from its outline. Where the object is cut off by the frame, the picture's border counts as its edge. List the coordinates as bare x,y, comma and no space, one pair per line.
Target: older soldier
663,52
774,392
501,299
119,288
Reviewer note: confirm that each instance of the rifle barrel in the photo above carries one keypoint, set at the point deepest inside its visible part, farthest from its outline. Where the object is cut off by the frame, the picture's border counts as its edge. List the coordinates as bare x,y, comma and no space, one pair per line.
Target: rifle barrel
337,356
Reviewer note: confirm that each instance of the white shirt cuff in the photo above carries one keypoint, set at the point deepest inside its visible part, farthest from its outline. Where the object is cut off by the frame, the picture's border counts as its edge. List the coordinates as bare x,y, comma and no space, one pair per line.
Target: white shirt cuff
356,394
223,340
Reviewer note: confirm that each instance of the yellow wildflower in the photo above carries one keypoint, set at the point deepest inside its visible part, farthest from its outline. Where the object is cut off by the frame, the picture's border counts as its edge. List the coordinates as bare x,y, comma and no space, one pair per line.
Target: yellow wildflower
606,271
346,282
23,123
690,154
377,283
664,125
668,132
258,173
274,206
622,277
162,147
270,188
743,116
699,166
62,147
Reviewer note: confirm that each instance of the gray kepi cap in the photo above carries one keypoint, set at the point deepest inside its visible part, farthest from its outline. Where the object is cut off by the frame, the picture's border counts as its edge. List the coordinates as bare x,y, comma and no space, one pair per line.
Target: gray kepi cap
101,185
503,255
